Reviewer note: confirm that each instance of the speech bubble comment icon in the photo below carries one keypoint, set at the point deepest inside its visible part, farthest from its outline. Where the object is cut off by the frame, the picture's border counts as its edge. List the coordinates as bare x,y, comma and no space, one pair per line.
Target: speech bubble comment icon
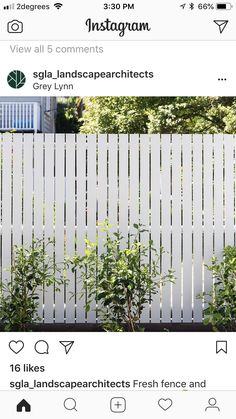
41,347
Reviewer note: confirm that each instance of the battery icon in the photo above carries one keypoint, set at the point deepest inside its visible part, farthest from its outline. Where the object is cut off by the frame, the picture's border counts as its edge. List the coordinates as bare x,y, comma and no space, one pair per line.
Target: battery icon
224,6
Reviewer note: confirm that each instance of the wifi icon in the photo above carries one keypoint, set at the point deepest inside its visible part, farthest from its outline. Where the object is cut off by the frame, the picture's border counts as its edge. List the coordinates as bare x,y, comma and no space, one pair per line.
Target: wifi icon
58,5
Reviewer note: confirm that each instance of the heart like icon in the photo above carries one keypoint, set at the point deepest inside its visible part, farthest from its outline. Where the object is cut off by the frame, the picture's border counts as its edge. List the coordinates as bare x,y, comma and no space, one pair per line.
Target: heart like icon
16,346
165,404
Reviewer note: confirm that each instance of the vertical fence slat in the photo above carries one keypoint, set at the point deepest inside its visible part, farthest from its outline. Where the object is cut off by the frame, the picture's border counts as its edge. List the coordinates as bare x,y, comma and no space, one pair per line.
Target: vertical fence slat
218,195
144,205
197,226
102,193
59,221
49,211
28,190
229,142
113,181
92,204
38,200
208,208
102,187
38,185
1,168
166,225
155,214
123,186
134,182
81,213
70,225
176,228
17,190
187,228
6,207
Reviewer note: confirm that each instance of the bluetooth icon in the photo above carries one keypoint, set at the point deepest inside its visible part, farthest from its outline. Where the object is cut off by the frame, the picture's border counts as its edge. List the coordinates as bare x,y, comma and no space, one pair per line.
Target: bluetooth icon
191,6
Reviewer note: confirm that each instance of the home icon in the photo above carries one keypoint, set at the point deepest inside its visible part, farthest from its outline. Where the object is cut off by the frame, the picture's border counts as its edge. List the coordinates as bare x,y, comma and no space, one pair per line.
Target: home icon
23,406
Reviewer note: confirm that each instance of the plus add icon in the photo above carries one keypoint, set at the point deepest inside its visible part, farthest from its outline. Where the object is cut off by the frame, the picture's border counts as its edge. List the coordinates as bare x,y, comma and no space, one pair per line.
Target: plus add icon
118,405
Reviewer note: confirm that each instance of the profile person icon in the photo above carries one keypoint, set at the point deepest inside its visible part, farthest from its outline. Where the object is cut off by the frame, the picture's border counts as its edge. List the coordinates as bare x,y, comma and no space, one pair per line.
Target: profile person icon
212,405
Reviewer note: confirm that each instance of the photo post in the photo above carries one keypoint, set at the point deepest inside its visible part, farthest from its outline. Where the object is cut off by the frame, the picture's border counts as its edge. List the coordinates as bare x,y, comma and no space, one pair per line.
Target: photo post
117,209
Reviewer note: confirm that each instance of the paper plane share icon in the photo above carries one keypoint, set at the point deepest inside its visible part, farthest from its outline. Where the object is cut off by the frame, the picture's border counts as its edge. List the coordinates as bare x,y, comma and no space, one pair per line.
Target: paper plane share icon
221,24
67,345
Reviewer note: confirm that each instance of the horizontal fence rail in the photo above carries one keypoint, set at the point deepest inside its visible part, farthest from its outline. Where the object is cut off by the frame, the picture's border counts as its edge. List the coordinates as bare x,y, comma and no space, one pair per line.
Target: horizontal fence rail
181,187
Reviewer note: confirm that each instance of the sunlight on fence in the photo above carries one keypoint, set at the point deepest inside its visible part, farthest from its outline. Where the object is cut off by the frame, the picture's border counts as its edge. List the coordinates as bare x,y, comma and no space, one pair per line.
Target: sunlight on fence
181,187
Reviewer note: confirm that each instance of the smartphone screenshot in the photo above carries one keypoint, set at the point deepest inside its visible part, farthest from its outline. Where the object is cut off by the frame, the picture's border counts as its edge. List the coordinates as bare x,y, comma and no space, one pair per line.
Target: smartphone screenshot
117,209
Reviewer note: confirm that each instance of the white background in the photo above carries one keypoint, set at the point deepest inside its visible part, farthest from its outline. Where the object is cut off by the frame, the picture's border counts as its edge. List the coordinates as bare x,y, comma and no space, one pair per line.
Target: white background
180,68
122,356
166,18
184,49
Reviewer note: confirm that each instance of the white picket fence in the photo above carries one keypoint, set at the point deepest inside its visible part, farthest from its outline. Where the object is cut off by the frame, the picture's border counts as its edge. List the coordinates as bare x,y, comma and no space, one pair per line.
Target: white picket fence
182,187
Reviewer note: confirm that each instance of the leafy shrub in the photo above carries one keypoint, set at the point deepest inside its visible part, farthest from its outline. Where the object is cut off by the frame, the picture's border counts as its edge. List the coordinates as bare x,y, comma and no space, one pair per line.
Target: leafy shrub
122,280
32,270
221,300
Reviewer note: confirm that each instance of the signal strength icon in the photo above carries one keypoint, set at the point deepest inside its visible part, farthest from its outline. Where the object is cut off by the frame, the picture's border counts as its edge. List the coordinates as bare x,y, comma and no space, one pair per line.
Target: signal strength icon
58,5
9,7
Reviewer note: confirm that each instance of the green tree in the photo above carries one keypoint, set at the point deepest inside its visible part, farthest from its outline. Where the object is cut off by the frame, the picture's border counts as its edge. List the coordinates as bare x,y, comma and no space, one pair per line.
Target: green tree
68,115
32,270
220,301
121,279
159,114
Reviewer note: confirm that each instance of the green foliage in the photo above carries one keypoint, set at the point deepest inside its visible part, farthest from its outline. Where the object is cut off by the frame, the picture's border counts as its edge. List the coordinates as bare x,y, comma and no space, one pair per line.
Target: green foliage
68,115
121,279
159,115
32,270
221,301
115,115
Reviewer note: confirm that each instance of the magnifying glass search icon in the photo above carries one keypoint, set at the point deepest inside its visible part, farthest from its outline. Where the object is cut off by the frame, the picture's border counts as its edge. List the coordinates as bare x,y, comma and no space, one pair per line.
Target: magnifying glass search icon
70,404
